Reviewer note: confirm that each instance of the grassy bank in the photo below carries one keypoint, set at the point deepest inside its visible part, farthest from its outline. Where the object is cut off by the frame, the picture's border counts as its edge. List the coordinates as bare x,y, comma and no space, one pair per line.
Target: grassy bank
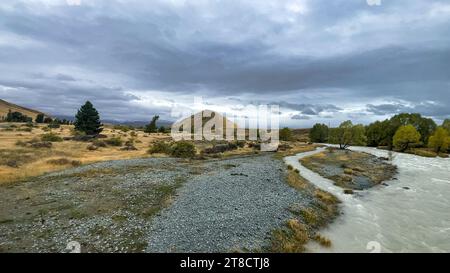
350,170
306,221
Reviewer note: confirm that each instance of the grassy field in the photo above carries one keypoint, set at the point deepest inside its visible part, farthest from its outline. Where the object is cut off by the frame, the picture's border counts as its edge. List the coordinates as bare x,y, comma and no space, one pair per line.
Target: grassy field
25,151
18,162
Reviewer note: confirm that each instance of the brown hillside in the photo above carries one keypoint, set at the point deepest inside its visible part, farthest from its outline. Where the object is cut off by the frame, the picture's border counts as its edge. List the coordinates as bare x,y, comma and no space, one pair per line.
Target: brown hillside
6,106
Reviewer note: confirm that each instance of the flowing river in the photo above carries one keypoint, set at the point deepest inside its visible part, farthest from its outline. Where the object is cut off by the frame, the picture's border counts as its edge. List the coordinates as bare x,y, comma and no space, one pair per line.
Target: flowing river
410,214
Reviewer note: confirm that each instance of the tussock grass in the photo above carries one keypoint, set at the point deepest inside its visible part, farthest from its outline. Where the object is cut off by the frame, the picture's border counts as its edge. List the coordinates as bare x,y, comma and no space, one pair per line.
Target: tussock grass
290,239
51,137
322,240
64,161
326,197
295,180
309,216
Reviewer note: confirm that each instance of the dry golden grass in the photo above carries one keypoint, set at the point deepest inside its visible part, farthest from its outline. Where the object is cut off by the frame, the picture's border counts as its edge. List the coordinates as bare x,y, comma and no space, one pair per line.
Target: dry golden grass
291,239
296,147
38,161
326,197
322,240
296,181
309,216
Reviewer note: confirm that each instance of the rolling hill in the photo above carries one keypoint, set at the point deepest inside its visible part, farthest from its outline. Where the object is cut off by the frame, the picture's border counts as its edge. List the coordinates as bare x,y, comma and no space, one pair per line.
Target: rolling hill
6,106
205,116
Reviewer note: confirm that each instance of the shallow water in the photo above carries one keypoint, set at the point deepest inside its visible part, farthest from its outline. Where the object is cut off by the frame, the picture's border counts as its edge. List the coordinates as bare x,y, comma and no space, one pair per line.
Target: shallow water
391,218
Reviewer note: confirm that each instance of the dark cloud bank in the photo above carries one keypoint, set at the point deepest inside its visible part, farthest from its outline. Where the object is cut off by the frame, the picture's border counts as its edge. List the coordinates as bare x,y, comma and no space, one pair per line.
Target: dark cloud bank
319,61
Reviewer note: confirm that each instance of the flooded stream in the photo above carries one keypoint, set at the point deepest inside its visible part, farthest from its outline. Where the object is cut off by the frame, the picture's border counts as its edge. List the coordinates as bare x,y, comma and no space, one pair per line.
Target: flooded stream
409,214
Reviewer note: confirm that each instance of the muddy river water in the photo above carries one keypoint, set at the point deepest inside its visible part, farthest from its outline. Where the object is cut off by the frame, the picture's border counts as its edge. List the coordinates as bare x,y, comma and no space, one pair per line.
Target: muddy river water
408,214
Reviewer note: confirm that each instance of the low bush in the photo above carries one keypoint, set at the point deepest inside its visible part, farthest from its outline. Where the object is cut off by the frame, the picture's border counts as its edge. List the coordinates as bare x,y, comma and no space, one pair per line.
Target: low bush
41,144
64,161
51,137
122,128
54,126
183,149
114,141
99,143
26,129
92,147
160,147
21,143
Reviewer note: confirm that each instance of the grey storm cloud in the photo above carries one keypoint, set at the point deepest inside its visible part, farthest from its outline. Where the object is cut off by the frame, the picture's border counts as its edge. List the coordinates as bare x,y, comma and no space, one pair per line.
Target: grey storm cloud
300,117
353,55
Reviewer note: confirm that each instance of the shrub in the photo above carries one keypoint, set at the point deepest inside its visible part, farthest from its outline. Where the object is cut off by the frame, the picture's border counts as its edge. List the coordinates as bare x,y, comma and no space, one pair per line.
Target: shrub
99,143
12,163
114,141
27,129
64,161
183,149
54,125
92,147
51,137
285,134
122,128
41,144
133,134
160,147
21,143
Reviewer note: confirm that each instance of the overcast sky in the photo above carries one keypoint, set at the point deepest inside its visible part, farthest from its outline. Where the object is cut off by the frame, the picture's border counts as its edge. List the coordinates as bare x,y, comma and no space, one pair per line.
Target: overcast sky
319,60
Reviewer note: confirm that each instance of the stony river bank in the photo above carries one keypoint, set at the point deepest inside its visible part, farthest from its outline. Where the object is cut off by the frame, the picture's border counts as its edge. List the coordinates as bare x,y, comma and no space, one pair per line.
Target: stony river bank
153,205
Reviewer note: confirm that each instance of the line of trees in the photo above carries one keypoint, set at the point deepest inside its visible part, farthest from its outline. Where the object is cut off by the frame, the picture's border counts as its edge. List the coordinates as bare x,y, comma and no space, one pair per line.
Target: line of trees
17,117
401,132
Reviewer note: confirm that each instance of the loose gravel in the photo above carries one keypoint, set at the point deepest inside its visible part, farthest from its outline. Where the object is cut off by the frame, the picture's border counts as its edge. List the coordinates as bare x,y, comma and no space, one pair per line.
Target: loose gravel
222,206
234,209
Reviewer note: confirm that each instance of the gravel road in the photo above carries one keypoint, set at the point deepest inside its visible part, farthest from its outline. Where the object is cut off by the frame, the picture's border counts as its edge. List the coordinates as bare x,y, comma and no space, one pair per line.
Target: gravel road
231,209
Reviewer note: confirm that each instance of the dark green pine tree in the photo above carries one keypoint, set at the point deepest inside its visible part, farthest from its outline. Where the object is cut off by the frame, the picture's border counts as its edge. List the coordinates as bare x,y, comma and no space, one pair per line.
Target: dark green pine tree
40,118
151,127
87,120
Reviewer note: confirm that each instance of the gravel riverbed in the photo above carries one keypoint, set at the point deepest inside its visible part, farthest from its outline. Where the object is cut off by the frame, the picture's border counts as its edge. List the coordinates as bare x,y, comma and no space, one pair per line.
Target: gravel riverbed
227,210
152,204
